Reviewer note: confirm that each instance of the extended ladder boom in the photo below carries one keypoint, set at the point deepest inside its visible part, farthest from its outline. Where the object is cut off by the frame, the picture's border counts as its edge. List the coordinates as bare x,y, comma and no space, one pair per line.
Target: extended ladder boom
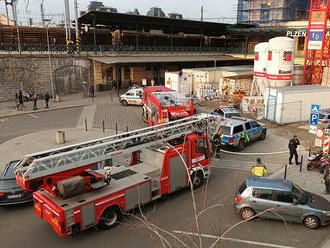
46,163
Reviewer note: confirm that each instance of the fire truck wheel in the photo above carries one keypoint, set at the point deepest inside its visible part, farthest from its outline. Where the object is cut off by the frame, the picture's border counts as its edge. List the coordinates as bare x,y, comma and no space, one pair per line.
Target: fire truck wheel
109,218
124,102
197,179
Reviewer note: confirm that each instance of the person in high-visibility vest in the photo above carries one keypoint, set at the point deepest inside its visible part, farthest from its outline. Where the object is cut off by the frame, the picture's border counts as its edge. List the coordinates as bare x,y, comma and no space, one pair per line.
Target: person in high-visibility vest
259,169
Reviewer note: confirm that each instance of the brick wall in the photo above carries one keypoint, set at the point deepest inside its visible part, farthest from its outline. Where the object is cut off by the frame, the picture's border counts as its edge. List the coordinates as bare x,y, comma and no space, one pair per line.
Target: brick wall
32,73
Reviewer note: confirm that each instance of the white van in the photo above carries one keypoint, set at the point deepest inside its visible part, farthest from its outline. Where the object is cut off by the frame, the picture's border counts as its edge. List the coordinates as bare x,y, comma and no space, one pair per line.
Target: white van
132,97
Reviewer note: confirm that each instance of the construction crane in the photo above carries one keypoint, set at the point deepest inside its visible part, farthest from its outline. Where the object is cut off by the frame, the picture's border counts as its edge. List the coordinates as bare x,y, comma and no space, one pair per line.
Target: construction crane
317,54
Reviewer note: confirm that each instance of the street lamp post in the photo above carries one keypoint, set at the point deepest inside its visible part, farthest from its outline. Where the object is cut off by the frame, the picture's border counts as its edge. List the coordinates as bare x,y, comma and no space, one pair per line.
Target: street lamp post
46,23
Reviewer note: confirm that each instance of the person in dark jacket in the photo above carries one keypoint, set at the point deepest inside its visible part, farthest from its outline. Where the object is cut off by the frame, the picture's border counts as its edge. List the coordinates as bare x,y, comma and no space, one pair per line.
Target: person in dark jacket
293,144
34,99
47,97
326,179
20,99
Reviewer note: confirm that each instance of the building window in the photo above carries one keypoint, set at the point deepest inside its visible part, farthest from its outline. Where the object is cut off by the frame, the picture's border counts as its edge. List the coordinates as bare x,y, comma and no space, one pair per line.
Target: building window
110,75
265,12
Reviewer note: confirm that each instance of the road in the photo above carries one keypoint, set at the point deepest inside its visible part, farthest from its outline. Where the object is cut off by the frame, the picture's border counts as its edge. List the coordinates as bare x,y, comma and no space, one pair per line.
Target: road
21,228
14,126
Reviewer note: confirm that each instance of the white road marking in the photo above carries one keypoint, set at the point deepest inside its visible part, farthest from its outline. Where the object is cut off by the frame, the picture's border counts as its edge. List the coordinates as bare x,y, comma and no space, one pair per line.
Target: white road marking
34,116
235,240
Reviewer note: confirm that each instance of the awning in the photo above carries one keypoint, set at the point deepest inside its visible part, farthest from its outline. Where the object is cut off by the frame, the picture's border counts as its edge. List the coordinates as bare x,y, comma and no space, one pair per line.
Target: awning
160,59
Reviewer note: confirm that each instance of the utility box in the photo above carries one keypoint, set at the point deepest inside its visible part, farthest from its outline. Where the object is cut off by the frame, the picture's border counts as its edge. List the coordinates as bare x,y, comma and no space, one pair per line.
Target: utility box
179,81
291,104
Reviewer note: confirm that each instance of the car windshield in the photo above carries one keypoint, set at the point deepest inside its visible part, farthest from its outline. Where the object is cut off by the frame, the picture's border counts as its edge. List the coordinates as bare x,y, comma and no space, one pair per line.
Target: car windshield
321,116
300,194
9,171
225,130
229,115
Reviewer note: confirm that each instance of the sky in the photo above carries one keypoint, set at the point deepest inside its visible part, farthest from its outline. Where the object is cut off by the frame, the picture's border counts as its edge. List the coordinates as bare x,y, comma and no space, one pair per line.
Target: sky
214,10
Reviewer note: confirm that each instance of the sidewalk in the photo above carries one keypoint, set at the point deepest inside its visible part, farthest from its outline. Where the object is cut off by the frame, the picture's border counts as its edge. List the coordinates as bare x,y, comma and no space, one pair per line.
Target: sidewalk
16,148
309,181
67,101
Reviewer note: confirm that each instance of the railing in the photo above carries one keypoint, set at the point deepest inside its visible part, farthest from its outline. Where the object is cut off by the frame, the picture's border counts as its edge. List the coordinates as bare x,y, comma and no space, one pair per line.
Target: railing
59,48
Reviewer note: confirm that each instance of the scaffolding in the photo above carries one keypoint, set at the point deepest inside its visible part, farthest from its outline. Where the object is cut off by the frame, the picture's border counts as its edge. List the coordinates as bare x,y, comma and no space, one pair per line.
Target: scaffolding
271,11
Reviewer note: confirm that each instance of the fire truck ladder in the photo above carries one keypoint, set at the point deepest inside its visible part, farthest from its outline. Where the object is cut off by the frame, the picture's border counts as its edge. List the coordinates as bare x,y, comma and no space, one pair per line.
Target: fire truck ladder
49,162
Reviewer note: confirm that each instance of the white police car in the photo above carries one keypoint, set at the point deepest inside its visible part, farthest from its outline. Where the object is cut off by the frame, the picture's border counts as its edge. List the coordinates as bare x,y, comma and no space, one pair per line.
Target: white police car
132,97
226,112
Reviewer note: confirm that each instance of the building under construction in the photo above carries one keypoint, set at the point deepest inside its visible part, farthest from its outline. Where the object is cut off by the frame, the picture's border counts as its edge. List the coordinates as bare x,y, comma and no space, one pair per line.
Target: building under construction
272,12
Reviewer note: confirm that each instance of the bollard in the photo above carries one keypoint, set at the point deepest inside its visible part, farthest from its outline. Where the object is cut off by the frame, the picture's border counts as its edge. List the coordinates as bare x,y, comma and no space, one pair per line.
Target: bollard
86,124
126,128
116,128
310,150
285,171
103,126
301,162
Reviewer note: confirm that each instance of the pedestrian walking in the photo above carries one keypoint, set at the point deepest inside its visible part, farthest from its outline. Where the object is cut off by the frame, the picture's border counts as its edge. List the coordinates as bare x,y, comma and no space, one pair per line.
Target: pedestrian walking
293,144
20,99
92,91
34,99
326,179
47,97
259,169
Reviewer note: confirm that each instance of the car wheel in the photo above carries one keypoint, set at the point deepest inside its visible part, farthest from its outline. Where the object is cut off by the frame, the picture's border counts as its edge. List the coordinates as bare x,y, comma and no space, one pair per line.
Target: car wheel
263,135
197,179
312,222
247,213
109,218
241,145
309,166
124,102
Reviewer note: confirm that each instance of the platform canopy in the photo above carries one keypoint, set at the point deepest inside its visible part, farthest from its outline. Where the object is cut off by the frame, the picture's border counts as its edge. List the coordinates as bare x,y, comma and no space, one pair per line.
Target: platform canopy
120,21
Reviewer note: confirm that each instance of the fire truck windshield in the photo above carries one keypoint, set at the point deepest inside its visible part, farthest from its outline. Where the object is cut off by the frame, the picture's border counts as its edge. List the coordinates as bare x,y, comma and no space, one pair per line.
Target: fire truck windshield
169,98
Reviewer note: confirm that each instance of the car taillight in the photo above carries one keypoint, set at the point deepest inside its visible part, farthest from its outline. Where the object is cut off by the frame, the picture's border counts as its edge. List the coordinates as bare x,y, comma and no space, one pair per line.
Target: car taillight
238,198
231,140
1,193
323,122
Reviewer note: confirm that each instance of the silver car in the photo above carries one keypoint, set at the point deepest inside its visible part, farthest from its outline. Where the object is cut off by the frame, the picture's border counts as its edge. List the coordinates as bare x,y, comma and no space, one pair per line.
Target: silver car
280,199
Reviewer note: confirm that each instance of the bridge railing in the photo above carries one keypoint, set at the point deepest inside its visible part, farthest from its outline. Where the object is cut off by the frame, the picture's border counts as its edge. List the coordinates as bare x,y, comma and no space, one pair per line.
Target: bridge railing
62,48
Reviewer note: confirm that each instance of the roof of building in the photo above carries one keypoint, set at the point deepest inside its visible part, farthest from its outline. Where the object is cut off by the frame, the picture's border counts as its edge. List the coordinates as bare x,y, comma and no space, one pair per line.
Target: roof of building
168,25
269,183
159,59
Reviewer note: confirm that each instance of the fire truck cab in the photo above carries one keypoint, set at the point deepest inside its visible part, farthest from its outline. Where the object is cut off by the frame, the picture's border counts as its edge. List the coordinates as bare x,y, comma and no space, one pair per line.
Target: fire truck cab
162,105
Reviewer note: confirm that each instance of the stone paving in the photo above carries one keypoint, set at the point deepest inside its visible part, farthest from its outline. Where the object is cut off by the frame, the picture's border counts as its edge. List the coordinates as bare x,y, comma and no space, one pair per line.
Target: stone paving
125,117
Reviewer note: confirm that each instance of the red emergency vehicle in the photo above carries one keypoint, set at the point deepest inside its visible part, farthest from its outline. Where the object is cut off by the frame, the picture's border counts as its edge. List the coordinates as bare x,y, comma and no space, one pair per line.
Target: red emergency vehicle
72,198
161,105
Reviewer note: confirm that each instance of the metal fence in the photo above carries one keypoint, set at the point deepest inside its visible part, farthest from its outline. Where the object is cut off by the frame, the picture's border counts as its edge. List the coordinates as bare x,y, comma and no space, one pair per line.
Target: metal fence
59,48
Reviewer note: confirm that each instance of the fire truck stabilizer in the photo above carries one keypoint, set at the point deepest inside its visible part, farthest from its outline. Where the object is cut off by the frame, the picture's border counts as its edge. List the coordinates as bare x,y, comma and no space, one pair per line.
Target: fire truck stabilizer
71,198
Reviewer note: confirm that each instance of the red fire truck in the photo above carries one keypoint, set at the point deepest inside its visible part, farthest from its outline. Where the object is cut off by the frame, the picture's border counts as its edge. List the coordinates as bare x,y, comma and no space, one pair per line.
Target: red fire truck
161,105
72,198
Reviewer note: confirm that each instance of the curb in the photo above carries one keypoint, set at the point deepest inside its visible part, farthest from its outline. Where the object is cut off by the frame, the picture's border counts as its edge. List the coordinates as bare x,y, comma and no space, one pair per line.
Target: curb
42,110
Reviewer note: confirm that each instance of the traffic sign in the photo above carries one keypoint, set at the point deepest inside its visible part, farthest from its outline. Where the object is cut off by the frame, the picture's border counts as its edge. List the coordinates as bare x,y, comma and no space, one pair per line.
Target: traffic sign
315,108
314,119
319,133
318,142
312,129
